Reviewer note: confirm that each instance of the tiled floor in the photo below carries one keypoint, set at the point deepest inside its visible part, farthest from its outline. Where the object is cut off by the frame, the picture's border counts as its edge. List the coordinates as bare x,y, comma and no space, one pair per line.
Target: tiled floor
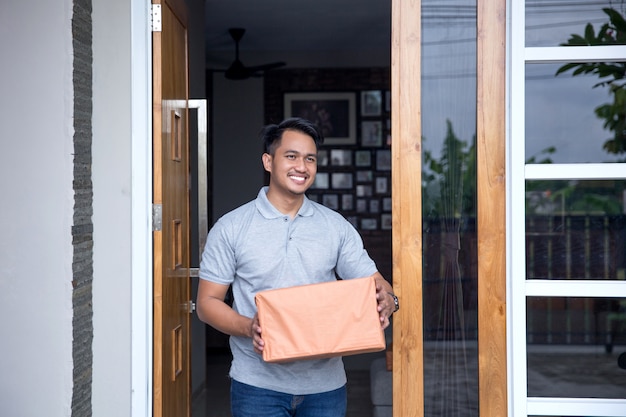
214,400
568,371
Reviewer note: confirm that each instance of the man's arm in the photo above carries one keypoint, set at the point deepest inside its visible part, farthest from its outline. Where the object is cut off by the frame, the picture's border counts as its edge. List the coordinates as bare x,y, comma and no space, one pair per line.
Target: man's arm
215,312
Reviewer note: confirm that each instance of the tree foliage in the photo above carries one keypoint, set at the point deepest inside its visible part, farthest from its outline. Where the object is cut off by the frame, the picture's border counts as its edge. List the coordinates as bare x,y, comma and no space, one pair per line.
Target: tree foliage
611,75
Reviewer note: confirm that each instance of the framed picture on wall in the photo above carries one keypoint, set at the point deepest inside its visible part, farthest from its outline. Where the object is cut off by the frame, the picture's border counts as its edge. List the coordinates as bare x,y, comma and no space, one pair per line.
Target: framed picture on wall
347,202
383,160
333,113
331,201
364,176
322,157
371,103
385,221
387,204
381,185
341,157
363,190
321,181
374,206
362,158
369,224
371,133
361,205
341,180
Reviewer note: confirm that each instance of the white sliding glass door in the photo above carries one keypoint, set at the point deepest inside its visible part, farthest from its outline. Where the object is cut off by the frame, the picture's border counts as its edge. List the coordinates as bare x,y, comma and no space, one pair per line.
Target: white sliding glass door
567,214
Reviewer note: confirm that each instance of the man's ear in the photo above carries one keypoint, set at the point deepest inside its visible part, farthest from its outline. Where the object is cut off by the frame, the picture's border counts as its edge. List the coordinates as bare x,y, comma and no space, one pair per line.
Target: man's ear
267,162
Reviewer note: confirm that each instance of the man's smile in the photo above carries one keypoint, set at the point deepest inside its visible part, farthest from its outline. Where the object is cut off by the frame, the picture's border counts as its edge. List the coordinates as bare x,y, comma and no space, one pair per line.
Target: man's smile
298,178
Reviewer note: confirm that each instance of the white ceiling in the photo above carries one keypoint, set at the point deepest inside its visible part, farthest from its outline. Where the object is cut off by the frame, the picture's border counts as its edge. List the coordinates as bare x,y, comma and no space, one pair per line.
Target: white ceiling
297,25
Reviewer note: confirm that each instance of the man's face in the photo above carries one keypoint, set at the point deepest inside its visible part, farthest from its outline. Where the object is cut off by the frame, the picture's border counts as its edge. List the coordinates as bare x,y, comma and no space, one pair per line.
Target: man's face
293,165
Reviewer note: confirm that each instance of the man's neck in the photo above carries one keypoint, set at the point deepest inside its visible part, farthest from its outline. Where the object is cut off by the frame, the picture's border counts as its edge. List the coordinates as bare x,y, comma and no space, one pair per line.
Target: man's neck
286,204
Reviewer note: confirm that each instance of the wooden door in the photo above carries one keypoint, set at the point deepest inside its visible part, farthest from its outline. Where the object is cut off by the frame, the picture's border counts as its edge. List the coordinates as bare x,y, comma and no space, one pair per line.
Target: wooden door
408,329
171,304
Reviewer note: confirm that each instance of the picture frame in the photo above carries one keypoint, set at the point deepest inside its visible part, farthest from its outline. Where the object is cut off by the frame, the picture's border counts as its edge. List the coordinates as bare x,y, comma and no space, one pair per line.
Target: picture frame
374,206
347,202
333,112
341,157
322,158
341,180
387,204
371,103
369,224
361,205
363,190
362,158
331,201
321,181
371,133
383,160
381,185
364,176
385,221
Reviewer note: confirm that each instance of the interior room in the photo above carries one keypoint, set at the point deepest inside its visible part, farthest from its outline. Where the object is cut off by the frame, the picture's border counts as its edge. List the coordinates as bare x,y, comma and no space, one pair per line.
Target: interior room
319,50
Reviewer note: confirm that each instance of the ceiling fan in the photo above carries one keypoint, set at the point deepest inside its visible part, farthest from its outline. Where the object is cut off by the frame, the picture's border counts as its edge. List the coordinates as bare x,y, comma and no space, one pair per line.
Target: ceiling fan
237,70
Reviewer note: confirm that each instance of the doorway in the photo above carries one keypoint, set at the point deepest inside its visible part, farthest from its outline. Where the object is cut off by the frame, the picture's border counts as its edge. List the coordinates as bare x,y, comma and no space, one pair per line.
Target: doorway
234,144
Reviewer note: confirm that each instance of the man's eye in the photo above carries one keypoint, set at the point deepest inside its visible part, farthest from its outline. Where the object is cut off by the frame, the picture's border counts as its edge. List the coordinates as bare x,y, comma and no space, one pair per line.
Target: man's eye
311,159
290,156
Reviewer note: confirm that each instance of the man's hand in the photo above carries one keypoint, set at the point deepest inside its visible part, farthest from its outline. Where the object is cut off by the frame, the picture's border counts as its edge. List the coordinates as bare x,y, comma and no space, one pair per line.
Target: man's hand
255,332
386,305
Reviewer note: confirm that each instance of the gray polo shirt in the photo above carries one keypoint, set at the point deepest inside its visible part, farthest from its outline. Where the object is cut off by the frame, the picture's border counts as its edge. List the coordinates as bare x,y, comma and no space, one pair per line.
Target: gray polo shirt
256,248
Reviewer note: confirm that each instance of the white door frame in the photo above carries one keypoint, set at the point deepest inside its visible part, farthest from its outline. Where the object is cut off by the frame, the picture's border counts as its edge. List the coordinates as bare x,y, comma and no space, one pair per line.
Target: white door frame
519,287
141,215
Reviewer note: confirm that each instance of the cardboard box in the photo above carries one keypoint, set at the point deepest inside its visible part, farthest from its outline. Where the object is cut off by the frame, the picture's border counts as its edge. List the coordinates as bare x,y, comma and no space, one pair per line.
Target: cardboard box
314,321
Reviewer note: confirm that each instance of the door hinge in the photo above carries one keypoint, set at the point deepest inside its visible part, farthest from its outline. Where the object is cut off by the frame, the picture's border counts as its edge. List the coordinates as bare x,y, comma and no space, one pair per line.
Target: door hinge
157,217
155,17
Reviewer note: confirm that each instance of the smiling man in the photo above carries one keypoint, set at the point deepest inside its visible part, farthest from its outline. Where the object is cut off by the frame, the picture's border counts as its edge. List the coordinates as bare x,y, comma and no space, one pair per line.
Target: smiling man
282,239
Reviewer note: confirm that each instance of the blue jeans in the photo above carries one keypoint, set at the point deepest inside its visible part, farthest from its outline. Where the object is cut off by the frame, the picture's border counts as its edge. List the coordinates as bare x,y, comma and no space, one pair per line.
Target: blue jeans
249,401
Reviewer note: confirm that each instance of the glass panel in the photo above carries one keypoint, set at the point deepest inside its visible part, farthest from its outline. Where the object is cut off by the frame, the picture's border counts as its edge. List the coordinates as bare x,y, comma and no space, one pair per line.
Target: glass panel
572,119
576,347
575,230
552,22
449,235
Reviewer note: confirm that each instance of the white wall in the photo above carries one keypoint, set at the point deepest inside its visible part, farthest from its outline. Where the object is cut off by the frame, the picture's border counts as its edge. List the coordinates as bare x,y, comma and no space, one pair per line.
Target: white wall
36,206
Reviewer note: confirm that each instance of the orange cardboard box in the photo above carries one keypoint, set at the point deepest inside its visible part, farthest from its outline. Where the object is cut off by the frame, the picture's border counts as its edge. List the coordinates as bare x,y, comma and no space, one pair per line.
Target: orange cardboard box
337,318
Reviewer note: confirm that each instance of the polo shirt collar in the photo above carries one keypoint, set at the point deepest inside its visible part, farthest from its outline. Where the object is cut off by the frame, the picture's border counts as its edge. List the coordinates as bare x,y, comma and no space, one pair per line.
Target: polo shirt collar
268,211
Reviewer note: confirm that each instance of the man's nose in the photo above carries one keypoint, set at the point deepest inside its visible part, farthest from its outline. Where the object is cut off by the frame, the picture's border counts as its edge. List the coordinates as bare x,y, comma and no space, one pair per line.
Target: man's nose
300,164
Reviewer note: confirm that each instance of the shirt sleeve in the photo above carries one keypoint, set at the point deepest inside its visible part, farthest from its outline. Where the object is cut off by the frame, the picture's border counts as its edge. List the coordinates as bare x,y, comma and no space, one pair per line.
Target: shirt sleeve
353,260
218,257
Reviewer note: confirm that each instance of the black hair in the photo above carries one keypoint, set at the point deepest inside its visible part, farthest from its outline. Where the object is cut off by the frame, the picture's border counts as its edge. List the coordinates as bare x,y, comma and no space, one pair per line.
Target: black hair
272,134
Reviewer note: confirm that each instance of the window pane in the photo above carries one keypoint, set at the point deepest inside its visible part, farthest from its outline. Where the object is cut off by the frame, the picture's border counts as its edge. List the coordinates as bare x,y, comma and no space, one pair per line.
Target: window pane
552,22
576,347
567,116
449,235
575,230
